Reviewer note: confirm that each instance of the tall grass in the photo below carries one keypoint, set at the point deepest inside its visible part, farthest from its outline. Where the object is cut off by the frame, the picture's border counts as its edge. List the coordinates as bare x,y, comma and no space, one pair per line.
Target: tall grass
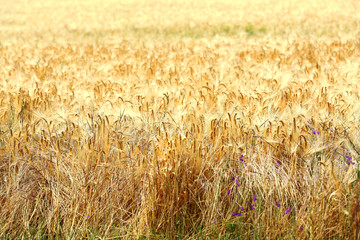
179,120
181,141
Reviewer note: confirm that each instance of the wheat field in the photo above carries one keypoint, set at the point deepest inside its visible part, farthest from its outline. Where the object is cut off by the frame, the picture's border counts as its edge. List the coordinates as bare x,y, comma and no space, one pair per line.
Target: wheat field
179,119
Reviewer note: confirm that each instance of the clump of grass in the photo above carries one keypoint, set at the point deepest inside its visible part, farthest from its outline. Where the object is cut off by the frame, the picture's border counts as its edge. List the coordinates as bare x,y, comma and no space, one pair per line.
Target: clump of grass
249,29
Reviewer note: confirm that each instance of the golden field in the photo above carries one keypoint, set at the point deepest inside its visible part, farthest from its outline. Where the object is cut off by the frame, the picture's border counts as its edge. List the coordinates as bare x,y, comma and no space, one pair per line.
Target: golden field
179,119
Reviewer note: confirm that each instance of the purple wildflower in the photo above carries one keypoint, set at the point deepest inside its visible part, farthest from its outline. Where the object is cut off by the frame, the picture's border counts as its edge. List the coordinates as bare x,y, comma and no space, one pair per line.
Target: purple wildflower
288,210
242,209
239,214
301,228
255,198
234,213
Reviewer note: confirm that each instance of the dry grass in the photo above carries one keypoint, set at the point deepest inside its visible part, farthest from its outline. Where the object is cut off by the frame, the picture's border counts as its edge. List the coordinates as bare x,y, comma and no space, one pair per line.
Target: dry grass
152,124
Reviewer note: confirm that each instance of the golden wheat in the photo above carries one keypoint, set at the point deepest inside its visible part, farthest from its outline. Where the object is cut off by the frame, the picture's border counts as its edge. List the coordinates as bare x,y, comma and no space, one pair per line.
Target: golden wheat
213,130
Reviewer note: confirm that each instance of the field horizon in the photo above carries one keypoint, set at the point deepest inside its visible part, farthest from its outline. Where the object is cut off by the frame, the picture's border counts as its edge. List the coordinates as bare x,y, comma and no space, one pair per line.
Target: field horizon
179,120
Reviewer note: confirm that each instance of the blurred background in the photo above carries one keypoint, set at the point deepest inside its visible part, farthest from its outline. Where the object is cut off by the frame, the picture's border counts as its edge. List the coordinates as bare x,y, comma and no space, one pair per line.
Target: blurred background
48,21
